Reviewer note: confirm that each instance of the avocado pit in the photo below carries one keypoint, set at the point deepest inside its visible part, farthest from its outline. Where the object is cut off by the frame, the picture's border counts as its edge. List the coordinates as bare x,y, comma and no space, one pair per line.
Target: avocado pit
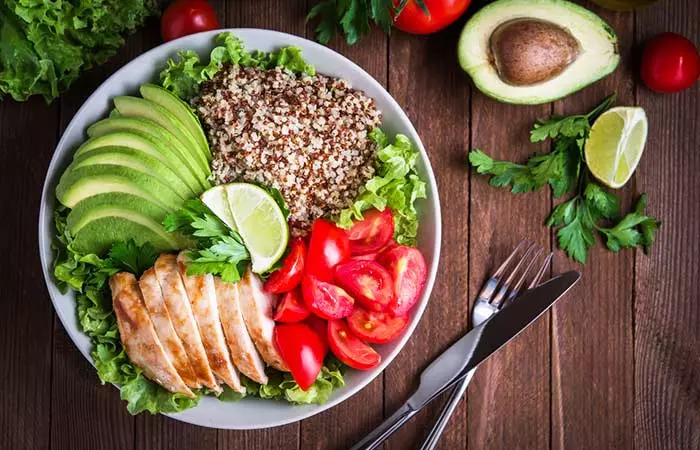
529,51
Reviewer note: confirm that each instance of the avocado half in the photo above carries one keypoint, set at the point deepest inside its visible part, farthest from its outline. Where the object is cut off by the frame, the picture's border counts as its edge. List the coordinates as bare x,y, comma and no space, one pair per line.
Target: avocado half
536,51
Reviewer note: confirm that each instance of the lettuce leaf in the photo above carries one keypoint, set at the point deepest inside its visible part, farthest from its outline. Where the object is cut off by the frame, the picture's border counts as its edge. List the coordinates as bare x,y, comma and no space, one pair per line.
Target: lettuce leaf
184,75
396,185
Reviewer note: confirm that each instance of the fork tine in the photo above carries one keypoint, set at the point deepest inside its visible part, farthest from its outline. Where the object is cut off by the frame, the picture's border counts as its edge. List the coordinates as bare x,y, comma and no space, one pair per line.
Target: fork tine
522,279
502,267
540,274
498,298
492,283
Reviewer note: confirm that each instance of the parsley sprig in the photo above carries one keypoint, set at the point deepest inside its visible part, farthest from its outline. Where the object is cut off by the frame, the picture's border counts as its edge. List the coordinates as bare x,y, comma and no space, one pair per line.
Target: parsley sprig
219,250
352,17
592,209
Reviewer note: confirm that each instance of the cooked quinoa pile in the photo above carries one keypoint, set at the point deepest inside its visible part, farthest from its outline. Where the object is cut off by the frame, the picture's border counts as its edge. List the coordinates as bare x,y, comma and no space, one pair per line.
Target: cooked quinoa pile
304,135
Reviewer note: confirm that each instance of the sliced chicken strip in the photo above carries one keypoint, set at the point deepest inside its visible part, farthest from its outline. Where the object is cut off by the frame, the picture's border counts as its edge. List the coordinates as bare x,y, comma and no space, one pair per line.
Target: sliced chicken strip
202,294
183,320
257,306
138,335
243,352
174,350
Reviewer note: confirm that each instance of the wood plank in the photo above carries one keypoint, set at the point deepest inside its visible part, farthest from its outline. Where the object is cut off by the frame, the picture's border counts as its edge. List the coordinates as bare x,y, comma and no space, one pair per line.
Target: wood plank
283,16
592,354
91,415
667,285
517,375
428,84
28,135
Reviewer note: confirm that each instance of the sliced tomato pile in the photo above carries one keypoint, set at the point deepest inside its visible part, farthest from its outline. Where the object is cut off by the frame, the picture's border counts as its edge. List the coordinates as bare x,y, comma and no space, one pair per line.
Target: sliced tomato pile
349,289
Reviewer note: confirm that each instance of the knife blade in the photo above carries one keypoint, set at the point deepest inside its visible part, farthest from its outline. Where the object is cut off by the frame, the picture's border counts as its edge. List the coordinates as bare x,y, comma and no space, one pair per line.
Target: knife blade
472,349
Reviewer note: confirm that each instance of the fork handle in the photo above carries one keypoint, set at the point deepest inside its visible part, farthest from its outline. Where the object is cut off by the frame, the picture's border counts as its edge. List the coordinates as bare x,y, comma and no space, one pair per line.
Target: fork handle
380,434
446,412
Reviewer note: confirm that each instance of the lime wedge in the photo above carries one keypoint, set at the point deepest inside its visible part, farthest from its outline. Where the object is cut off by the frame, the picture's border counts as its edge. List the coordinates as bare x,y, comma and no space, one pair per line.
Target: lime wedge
615,144
260,222
217,200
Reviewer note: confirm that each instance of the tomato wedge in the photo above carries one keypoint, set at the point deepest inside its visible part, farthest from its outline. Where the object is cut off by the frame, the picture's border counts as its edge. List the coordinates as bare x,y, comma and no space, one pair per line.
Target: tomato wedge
367,282
371,233
326,300
291,308
302,349
292,271
328,247
319,325
407,268
376,327
349,348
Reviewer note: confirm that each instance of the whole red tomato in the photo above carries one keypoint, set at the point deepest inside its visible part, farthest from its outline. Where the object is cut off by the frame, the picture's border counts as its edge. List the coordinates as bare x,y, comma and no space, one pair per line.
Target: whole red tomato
185,17
412,19
670,63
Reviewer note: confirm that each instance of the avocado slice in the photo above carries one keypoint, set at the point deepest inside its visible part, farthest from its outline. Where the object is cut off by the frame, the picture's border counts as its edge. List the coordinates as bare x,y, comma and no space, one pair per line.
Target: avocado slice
536,51
106,226
137,160
116,132
139,107
82,213
78,183
179,109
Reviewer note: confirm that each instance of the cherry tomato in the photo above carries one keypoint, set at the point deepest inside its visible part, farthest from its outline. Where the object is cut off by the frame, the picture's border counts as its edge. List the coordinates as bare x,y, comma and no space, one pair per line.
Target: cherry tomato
328,247
319,325
371,233
326,300
302,349
407,268
376,327
412,19
291,308
349,348
185,17
367,282
670,63
292,271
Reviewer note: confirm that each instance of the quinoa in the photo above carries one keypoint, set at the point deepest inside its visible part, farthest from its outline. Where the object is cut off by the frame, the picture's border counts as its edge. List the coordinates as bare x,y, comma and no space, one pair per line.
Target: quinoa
306,136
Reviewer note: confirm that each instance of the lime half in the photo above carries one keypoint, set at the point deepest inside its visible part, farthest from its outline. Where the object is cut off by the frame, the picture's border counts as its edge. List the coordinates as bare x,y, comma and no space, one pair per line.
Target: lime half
615,144
217,200
260,222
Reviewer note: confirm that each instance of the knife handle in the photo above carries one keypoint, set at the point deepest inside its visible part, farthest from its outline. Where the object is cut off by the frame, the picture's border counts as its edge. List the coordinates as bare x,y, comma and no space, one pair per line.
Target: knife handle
446,412
380,434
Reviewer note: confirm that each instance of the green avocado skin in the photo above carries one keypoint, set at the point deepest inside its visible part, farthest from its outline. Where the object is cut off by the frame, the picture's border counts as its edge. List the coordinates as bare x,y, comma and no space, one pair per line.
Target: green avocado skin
179,157
137,160
542,92
181,111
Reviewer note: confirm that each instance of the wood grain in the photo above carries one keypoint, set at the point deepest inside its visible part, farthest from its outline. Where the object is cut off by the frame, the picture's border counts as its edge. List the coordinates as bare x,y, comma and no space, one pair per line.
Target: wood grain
592,389
27,137
519,374
667,285
436,99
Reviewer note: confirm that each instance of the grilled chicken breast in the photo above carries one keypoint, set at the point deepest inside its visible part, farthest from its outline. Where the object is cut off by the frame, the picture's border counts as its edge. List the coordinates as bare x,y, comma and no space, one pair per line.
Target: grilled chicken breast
174,350
182,318
243,352
202,294
138,335
257,306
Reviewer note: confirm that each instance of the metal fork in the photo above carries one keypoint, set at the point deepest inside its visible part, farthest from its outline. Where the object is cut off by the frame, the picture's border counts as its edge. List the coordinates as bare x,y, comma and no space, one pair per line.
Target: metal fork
494,296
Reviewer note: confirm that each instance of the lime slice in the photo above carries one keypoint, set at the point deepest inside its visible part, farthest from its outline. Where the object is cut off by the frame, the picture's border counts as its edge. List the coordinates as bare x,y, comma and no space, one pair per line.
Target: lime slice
615,144
217,200
260,222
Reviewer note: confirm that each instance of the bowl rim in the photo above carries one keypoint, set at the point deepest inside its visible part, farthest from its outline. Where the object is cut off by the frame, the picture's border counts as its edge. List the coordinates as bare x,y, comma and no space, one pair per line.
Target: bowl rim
48,204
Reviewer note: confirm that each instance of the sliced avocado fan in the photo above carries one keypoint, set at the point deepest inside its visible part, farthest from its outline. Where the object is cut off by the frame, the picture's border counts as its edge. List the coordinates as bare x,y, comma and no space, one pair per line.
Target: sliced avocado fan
536,51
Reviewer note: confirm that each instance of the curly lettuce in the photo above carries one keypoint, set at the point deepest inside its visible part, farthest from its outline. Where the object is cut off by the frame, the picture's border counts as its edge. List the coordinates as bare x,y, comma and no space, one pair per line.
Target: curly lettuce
45,45
184,75
396,185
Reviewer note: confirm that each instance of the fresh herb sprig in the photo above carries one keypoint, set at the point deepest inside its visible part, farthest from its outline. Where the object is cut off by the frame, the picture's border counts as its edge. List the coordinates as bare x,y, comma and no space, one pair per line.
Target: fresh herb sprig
563,169
352,17
219,250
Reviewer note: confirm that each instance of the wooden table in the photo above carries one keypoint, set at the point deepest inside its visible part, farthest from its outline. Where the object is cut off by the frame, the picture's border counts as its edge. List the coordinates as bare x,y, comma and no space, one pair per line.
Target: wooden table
615,366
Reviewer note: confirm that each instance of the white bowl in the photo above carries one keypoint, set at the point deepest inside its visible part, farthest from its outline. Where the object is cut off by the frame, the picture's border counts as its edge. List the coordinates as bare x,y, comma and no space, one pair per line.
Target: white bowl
248,413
